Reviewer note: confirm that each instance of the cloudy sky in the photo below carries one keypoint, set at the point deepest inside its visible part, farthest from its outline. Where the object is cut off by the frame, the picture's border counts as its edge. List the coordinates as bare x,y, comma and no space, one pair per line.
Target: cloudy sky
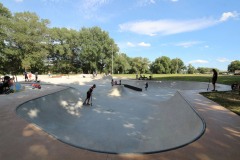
204,33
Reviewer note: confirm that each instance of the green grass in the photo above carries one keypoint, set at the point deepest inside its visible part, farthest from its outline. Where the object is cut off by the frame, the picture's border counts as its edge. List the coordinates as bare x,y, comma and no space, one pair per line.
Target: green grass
222,79
228,99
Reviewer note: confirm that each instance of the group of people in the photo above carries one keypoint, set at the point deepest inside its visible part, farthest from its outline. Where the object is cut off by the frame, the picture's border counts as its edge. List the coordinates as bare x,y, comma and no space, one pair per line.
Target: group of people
28,76
115,82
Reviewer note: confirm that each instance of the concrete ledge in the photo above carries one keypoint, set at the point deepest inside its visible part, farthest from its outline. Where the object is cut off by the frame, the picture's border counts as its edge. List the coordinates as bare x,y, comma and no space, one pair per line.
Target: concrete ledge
133,87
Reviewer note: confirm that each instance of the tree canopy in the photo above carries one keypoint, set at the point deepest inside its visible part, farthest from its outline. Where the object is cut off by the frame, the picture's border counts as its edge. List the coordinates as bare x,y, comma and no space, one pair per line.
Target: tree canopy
234,65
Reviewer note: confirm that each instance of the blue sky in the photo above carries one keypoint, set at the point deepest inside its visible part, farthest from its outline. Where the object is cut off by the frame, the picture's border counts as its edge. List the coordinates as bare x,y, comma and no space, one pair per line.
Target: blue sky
204,33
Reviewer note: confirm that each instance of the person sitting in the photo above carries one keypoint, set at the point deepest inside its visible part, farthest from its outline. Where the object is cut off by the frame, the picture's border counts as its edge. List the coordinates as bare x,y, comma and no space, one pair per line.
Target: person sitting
6,84
235,86
36,85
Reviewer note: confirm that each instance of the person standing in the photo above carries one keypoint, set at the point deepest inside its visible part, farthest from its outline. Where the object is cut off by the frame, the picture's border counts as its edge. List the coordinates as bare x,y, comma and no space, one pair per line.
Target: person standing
214,79
25,76
146,85
89,94
36,76
30,76
49,74
112,82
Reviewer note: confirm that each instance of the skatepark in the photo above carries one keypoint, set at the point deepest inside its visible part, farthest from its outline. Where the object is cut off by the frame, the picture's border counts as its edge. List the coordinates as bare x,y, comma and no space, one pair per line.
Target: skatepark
168,120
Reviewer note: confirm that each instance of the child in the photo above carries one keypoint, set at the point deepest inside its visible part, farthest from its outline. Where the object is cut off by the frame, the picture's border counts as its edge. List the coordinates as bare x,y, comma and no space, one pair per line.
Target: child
89,94
146,85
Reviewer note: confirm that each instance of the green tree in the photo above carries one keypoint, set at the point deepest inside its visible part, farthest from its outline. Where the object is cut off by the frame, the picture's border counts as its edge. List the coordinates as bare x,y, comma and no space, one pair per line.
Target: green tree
121,63
177,65
234,65
139,65
204,70
62,50
26,42
161,65
97,50
190,69
5,24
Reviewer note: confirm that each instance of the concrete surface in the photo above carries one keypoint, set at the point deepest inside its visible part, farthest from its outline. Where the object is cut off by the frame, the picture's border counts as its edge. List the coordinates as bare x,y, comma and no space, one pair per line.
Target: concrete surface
23,140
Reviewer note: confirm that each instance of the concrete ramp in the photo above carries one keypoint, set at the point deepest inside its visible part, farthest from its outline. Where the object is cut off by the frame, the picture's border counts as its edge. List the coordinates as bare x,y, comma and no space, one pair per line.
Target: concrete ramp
117,91
130,125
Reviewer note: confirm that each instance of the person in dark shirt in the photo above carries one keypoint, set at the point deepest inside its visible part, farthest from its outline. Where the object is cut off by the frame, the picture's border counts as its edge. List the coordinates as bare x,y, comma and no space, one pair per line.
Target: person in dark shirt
25,76
214,79
89,94
146,85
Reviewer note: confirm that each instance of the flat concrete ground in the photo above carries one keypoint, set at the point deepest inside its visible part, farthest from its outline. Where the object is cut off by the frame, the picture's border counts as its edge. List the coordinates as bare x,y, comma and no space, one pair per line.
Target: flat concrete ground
23,140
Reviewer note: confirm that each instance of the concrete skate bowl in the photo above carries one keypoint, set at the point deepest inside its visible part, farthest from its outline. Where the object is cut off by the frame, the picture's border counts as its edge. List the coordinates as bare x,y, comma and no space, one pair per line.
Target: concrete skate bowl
120,121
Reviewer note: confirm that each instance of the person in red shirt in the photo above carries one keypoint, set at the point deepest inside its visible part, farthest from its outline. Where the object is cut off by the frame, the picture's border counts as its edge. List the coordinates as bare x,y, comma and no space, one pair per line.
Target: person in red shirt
89,94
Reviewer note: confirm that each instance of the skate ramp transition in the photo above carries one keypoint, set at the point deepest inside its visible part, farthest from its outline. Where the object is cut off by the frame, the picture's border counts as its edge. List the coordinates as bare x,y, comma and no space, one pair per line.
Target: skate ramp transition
120,121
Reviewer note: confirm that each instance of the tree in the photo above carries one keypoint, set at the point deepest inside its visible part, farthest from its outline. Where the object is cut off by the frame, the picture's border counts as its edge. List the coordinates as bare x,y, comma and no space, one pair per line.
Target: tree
121,63
62,49
97,50
190,69
161,65
177,65
5,24
25,43
234,65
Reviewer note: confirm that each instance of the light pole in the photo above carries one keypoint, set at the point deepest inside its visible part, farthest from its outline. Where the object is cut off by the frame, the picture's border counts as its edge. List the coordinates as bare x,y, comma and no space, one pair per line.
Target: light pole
112,59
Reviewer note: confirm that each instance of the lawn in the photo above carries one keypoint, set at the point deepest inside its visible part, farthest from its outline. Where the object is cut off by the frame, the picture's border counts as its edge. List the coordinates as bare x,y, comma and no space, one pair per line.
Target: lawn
222,79
228,99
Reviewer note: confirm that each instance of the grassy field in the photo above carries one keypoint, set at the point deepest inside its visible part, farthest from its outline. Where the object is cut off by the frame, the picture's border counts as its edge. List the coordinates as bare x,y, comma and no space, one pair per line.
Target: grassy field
228,99
222,79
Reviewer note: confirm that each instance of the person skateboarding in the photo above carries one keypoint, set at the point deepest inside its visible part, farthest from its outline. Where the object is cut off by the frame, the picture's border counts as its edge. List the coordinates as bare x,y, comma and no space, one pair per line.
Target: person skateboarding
89,94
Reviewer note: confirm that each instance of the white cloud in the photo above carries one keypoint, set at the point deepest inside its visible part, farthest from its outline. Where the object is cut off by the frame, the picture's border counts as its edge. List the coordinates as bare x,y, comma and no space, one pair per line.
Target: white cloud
199,61
227,15
174,0
223,60
166,27
187,44
143,44
130,44
18,0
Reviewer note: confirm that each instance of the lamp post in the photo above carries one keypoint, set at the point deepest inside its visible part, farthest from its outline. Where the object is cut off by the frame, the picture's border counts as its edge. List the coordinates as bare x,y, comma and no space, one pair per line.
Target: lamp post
112,59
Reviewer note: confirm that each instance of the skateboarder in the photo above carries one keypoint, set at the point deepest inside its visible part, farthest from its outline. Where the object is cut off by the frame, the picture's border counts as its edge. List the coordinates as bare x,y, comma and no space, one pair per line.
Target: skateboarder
89,94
